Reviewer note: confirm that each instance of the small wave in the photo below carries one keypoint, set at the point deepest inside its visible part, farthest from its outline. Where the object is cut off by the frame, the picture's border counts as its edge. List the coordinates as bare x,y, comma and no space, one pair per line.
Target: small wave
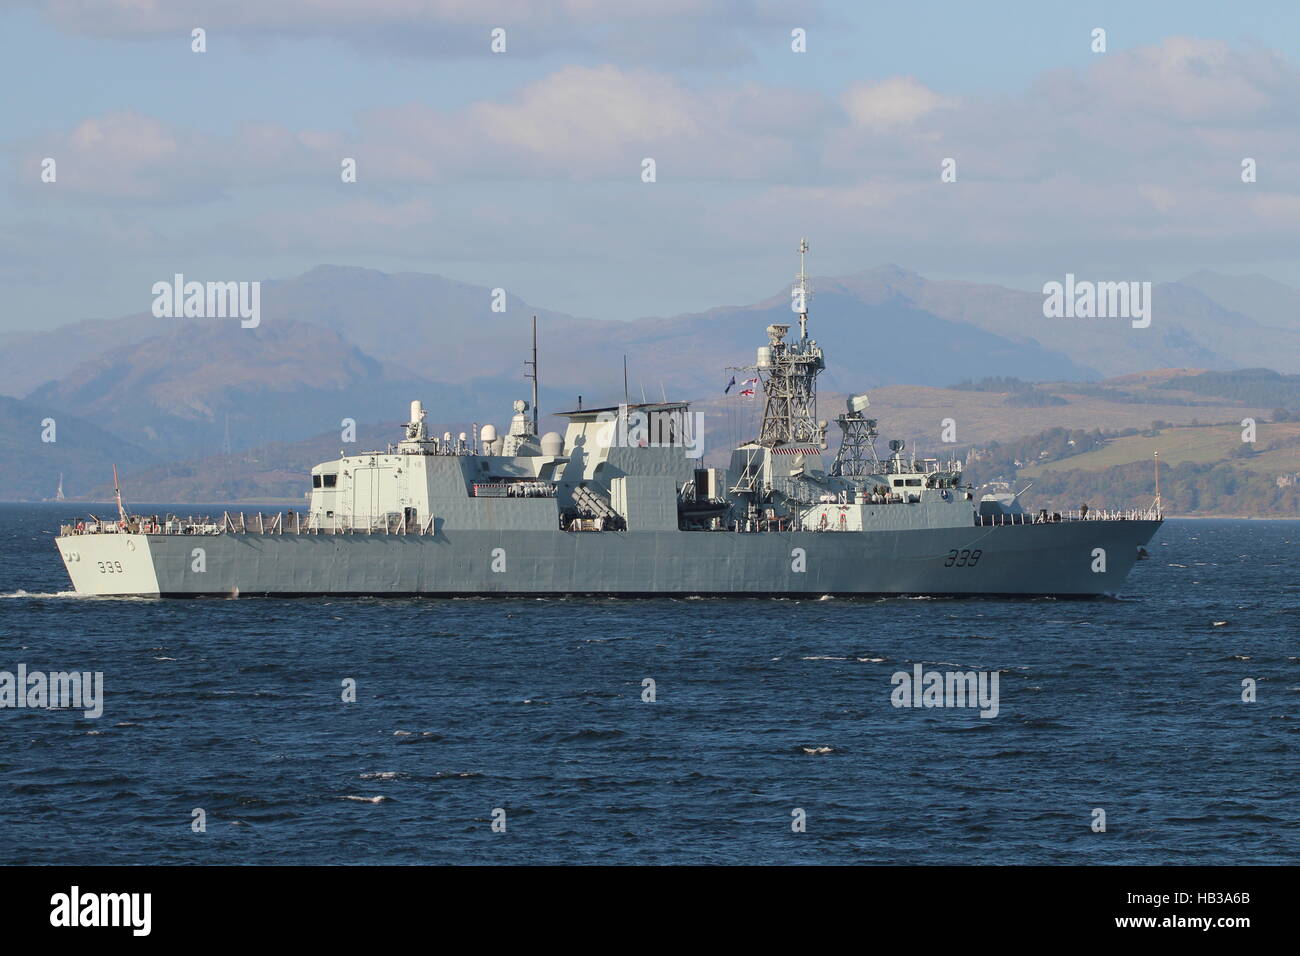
590,734
350,796
20,593
70,595
382,775
818,750
1042,723
427,737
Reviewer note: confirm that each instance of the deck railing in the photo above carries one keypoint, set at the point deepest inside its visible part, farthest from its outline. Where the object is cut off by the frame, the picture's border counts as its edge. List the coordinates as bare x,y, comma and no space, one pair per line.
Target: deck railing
295,522
285,522
1052,517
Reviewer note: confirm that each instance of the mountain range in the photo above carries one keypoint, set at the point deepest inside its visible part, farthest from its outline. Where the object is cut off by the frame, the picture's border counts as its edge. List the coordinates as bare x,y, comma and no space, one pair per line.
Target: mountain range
342,343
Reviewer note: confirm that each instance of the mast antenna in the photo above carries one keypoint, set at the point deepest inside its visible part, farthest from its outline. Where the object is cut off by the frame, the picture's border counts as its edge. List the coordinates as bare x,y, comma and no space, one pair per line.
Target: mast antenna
801,291
117,493
1158,507
532,373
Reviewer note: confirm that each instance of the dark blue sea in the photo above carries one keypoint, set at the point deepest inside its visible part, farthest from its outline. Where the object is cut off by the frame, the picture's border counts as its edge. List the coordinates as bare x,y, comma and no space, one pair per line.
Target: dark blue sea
1132,706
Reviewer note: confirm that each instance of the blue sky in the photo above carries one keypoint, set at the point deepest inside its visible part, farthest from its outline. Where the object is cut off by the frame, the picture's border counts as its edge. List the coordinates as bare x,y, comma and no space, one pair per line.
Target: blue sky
521,170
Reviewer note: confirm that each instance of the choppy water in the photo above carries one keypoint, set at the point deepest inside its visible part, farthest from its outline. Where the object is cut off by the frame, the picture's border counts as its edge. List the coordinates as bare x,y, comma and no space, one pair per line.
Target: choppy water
534,706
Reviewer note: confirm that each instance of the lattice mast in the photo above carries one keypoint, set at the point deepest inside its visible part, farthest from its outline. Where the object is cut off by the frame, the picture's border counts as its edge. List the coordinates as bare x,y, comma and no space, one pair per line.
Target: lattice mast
857,456
788,371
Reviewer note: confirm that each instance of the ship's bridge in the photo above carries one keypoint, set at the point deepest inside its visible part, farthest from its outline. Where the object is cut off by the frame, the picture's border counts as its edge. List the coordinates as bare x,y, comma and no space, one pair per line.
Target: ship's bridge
647,438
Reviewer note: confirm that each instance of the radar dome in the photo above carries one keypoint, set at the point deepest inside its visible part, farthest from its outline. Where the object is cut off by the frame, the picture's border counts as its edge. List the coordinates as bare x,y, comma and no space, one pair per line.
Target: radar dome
489,433
552,445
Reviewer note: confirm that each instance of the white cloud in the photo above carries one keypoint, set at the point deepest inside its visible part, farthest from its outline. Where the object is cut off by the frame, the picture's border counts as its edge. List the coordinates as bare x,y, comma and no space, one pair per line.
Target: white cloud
897,101
1135,158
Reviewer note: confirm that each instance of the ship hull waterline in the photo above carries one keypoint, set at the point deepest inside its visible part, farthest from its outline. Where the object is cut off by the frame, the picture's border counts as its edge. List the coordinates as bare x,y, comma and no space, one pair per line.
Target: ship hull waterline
1078,559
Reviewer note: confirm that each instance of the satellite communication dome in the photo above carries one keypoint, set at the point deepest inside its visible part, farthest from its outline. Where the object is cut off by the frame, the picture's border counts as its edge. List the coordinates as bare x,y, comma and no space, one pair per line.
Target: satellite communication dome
489,433
552,445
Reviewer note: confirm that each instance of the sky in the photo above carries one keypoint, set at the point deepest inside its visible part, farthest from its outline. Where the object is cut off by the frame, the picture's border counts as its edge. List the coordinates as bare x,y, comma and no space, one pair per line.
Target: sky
523,169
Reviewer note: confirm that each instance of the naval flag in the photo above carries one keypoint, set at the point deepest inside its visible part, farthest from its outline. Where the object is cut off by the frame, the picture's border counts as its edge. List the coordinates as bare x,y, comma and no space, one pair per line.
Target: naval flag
730,385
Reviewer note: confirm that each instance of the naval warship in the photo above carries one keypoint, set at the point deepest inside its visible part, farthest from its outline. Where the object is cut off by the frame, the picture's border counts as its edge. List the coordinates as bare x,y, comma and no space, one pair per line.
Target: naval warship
621,504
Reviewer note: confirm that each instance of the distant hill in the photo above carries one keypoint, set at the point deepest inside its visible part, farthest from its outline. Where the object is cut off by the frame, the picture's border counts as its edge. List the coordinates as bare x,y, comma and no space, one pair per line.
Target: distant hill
273,471
29,359
1255,386
181,392
82,452
1270,303
1195,322
341,342
1205,469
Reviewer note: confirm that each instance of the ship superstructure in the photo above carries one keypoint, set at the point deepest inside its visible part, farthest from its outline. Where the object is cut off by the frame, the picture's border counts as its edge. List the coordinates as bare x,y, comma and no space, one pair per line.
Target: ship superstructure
622,503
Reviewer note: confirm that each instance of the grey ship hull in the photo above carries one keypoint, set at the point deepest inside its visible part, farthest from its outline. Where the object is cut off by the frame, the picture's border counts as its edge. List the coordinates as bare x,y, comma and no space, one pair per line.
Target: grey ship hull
1055,559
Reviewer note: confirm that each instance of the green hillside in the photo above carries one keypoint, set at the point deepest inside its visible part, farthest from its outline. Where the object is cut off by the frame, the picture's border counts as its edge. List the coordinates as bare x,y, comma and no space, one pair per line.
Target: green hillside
1205,469
1276,449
